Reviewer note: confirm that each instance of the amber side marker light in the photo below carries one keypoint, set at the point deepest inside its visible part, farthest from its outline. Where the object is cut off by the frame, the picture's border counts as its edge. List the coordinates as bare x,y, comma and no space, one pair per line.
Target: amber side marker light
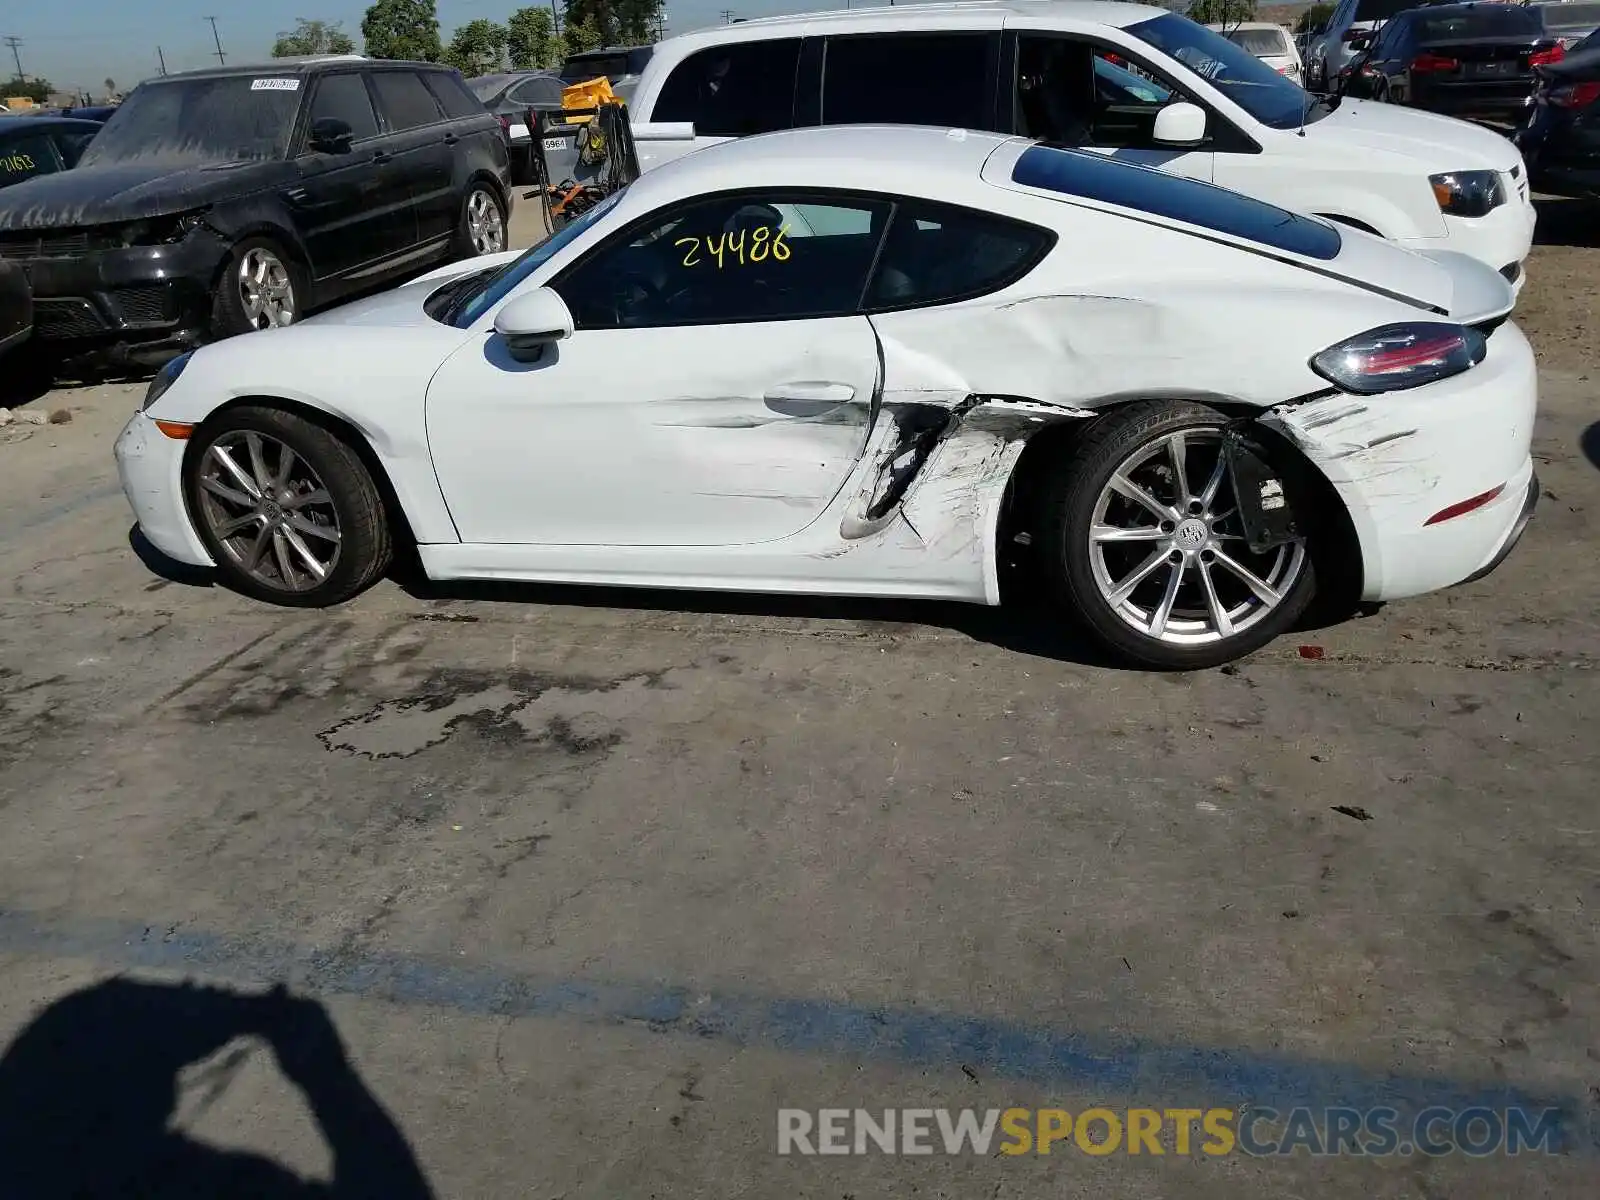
1465,506
176,430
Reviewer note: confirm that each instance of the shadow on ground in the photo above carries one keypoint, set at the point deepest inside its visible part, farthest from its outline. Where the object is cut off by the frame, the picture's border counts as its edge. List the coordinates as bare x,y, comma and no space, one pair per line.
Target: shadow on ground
89,1088
1567,222
1590,443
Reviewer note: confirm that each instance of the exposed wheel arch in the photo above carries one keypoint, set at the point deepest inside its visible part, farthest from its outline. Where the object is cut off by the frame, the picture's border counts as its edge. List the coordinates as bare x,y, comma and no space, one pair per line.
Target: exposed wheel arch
1336,546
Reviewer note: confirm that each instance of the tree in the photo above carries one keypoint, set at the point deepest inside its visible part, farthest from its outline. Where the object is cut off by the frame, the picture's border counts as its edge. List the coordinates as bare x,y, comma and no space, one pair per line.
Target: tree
111,87
638,20
477,48
1314,17
403,29
1228,13
580,36
36,89
313,37
531,39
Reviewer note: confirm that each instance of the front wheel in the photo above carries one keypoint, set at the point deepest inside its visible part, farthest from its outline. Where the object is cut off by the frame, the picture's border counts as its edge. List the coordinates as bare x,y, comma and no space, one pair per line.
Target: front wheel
260,288
1142,539
288,510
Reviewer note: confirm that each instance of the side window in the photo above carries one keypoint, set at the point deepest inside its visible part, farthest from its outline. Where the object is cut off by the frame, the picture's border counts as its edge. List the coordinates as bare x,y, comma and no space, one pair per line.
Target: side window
1075,94
26,156
909,79
71,147
734,90
344,98
937,253
453,95
405,100
534,92
730,258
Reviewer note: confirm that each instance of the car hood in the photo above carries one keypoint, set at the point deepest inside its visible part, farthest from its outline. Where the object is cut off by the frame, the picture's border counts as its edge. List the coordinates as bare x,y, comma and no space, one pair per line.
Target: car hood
1435,143
131,191
401,307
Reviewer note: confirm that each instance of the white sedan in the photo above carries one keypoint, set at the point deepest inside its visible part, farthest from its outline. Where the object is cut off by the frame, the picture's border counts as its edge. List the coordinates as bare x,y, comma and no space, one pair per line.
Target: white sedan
877,362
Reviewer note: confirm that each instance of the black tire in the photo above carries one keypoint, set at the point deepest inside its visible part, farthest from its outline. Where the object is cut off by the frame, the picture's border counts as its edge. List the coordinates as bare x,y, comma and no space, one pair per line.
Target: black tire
366,542
228,313
1068,500
465,244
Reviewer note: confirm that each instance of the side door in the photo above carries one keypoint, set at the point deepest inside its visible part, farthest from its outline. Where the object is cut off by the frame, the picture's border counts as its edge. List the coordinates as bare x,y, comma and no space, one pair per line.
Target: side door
417,129
1076,92
717,389
343,203
728,91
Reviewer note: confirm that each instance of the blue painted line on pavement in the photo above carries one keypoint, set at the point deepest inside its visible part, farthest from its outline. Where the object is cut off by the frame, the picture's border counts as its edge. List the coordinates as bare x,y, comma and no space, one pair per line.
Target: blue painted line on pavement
1103,1067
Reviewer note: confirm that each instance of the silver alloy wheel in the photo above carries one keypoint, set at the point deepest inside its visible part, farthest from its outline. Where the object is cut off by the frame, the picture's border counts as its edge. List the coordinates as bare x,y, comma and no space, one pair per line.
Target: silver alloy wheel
1171,561
266,290
485,226
269,511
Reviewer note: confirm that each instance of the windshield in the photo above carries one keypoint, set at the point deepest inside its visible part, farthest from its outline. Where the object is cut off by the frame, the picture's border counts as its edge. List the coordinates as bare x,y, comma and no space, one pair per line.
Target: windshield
492,288
1498,20
1259,41
236,118
1241,76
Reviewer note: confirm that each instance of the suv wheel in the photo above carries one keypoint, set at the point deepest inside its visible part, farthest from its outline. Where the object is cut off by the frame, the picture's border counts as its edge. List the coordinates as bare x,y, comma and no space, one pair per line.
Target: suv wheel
483,223
260,289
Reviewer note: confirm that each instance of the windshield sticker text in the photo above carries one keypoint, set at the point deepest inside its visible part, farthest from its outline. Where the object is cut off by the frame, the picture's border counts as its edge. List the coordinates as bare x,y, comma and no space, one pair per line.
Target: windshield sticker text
15,163
761,244
274,85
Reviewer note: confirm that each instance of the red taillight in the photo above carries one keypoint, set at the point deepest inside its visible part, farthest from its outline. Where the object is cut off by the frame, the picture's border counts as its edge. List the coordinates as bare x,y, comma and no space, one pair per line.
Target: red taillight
1547,56
1424,63
1575,95
1465,506
1352,36
505,122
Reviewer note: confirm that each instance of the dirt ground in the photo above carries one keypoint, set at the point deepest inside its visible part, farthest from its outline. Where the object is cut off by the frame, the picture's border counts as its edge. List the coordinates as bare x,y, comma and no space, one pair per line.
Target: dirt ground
573,890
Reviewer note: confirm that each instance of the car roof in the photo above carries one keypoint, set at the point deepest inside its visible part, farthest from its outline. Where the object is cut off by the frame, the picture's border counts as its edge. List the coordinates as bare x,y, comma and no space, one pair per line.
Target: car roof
1068,13
297,66
11,123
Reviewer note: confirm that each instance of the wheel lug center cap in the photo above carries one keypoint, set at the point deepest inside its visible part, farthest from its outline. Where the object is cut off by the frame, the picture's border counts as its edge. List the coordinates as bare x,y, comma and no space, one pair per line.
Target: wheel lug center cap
271,510
1191,534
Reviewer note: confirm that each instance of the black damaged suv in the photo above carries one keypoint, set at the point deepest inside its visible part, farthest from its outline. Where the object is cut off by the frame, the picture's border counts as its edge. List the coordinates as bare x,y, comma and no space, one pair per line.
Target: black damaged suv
219,202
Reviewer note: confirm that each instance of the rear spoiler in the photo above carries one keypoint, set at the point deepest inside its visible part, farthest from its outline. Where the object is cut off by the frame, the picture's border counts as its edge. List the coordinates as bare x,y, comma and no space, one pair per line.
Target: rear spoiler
1479,294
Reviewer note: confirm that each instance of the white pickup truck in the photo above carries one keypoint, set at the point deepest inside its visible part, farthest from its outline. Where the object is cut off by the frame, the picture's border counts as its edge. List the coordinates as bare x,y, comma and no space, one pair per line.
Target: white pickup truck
1135,82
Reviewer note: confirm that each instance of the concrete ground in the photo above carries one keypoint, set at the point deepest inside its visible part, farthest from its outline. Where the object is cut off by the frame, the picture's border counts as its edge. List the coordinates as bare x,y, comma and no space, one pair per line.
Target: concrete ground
573,890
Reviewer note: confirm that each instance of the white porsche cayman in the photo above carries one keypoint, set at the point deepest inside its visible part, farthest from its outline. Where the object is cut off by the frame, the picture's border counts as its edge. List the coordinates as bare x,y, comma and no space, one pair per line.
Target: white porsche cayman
863,361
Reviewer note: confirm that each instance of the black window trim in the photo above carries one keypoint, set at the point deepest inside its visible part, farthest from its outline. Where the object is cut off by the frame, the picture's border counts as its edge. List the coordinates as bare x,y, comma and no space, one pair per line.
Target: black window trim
370,74
444,73
1223,136
841,197
993,55
303,131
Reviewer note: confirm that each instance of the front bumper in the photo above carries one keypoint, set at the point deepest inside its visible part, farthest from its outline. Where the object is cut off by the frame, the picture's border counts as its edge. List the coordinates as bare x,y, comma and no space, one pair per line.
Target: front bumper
155,298
1400,459
150,465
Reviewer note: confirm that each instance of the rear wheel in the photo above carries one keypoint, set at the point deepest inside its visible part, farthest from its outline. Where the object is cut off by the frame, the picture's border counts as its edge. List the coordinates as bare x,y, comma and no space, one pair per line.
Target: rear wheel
1141,537
287,509
483,223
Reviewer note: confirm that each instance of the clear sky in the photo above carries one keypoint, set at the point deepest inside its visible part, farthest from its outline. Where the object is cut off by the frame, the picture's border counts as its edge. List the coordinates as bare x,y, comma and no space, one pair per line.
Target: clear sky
78,44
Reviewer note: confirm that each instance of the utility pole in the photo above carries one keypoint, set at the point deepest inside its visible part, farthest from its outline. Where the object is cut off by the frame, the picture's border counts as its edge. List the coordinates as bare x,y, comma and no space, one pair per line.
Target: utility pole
16,53
162,59
556,16
216,37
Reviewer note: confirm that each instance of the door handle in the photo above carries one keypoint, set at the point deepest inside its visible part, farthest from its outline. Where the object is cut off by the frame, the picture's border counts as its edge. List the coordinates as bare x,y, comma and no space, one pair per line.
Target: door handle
381,156
450,139
810,392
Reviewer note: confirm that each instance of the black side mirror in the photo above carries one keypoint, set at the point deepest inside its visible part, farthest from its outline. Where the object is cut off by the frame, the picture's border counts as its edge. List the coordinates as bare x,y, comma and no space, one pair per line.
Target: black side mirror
329,135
